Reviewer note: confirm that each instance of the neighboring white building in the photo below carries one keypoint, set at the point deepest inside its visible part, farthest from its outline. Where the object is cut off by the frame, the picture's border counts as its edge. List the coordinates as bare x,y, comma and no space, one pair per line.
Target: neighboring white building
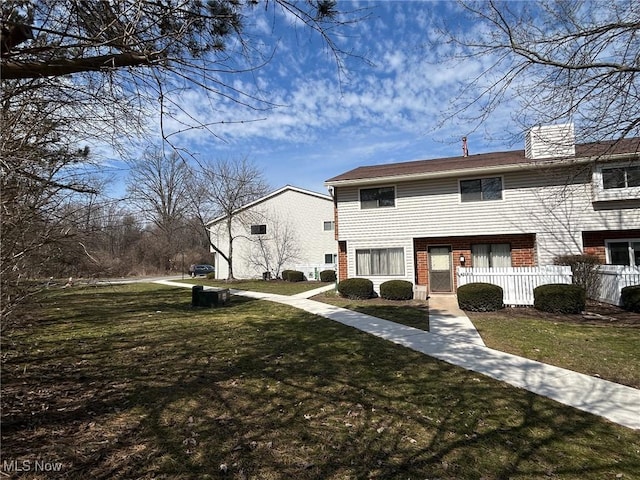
288,229
418,221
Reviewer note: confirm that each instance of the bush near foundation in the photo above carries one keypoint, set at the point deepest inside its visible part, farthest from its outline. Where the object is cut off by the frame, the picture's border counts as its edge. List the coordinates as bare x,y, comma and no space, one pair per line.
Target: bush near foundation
480,297
356,288
328,276
559,298
293,276
630,298
396,290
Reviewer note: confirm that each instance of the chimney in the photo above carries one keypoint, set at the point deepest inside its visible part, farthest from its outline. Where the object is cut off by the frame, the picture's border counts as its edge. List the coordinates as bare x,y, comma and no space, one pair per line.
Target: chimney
550,141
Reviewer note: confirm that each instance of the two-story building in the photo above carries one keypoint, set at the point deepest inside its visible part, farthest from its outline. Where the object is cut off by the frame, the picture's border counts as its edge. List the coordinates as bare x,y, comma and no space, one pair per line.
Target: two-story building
419,220
290,228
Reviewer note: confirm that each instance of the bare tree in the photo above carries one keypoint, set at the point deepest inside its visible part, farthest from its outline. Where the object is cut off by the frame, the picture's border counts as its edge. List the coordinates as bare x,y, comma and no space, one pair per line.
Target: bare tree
158,185
129,56
279,246
560,60
223,188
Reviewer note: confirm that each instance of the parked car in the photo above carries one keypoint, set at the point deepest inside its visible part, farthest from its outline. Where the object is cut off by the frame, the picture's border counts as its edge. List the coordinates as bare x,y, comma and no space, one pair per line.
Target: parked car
195,270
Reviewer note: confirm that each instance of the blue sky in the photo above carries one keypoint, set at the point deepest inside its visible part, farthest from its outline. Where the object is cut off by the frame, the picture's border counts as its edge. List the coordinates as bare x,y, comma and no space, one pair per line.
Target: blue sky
322,122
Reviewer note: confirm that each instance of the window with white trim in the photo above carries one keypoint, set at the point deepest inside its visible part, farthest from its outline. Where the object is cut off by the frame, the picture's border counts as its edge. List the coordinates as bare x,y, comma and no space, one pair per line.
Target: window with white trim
487,255
623,252
481,189
621,177
258,229
378,197
330,258
380,261
328,225
616,181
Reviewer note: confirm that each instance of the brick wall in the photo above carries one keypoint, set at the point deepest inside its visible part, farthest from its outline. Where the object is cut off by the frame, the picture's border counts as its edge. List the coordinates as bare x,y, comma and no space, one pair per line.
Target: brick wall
342,260
594,242
523,253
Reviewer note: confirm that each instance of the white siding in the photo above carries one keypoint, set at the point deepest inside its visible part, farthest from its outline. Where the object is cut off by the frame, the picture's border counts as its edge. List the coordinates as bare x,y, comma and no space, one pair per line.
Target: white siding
372,242
543,202
304,212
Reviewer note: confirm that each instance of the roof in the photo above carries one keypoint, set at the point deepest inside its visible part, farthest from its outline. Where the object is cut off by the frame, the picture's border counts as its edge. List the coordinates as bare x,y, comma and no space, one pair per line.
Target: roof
485,162
271,195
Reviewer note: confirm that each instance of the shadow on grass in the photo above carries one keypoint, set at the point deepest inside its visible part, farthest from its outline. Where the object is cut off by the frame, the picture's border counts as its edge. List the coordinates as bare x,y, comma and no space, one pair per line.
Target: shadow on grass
143,386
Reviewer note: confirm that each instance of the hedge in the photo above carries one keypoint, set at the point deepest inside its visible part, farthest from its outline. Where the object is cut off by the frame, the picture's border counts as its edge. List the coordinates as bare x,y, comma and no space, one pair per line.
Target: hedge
328,276
396,290
356,288
480,297
559,298
630,298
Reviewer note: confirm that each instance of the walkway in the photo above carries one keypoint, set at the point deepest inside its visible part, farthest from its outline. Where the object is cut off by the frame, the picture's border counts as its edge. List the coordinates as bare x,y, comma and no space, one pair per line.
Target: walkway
452,338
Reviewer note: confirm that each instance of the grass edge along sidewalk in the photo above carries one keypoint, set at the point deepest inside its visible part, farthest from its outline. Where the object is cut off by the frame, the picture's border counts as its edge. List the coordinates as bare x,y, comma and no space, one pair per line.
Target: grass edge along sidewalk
617,403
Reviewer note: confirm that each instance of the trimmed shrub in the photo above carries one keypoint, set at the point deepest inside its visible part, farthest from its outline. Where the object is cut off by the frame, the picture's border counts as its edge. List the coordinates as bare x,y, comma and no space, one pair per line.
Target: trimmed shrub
328,276
356,288
480,297
211,276
396,290
295,276
585,271
630,298
285,274
559,298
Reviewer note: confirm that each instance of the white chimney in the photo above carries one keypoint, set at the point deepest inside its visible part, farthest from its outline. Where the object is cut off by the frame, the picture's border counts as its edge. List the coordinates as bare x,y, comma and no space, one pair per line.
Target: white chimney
550,141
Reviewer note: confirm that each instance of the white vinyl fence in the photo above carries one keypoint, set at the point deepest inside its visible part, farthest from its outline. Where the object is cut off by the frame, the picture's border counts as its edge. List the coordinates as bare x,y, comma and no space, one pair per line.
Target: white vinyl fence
517,282
613,278
312,272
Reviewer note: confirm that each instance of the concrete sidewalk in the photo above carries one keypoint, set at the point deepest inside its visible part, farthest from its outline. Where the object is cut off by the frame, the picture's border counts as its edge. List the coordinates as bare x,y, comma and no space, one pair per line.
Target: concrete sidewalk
453,339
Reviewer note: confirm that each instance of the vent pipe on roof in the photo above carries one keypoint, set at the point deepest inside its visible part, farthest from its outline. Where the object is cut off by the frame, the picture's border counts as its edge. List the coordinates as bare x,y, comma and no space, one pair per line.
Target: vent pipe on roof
465,149
549,141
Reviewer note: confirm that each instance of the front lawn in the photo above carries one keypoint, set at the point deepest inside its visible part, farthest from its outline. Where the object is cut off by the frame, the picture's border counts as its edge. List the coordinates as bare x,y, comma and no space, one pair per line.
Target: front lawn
597,345
279,287
129,381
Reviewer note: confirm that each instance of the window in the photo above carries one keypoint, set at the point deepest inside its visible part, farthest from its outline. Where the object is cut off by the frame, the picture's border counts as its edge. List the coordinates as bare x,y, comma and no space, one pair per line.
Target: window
258,229
377,197
328,226
486,255
624,252
481,189
330,258
621,177
380,261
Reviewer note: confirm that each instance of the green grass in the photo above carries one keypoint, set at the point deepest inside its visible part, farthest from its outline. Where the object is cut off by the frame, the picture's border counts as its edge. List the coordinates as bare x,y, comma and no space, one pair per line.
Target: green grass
279,287
612,353
412,314
131,382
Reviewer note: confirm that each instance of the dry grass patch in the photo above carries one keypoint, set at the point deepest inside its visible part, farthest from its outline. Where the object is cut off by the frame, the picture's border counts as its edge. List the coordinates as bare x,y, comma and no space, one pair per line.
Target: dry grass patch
131,382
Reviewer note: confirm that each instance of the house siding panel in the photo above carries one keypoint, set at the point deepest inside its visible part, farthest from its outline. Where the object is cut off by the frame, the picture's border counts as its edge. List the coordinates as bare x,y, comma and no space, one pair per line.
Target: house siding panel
549,208
304,212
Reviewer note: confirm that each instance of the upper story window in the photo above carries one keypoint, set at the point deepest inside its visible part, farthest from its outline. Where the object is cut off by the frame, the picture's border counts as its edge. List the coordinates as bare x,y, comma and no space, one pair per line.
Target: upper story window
328,226
618,181
621,177
481,189
258,229
378,197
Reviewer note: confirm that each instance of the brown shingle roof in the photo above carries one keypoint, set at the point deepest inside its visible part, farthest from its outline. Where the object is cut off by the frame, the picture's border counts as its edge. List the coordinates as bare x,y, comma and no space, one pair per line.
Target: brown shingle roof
484,160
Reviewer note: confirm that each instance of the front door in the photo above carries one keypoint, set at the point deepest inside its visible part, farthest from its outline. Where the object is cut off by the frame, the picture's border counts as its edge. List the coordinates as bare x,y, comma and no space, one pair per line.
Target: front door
440,279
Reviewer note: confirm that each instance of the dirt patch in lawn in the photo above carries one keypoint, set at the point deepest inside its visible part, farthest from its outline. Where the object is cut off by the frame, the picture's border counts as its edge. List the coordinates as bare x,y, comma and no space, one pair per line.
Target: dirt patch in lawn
596,313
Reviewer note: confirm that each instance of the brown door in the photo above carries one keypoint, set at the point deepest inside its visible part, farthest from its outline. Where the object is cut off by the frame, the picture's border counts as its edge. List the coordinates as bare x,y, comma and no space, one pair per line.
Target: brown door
440,278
